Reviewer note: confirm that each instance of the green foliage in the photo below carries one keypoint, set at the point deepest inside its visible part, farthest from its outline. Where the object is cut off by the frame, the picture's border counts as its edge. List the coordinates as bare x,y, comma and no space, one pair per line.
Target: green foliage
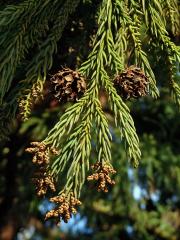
154,213
109,215
102,63
29,25
123,30
156,25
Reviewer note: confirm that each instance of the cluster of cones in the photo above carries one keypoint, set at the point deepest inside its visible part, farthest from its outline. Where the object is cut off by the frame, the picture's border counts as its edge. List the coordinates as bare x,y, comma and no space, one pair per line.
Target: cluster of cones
70,85
43,180
66,207
102,176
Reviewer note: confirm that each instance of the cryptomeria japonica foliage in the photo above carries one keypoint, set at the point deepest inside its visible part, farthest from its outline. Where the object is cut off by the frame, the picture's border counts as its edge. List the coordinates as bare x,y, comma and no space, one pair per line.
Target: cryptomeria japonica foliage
117,63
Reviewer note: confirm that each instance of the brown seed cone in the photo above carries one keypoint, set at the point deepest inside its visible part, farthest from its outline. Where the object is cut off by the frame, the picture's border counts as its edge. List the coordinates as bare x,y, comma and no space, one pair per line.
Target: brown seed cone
68,85
132,83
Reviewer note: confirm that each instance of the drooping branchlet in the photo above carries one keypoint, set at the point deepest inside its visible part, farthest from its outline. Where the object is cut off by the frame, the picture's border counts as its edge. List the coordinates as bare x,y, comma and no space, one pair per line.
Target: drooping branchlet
132,83
27,102
102,176
66,206
69,85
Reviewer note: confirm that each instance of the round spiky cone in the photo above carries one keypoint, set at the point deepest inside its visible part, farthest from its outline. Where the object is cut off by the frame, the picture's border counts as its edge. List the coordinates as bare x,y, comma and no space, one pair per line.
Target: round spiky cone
132,83
69,85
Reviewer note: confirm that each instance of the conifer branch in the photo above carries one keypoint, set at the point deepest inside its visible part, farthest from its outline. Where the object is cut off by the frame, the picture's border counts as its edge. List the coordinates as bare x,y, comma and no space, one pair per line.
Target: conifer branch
87,107
16,20
171,13
76,149
42,61
26,34
133,25
124,121
69,119
157,30
119,33
104,135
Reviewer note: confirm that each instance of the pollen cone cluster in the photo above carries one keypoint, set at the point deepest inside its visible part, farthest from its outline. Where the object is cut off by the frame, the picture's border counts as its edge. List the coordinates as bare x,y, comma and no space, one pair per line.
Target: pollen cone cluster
132,83
42,180
102,176
41,154
66,207
68,85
